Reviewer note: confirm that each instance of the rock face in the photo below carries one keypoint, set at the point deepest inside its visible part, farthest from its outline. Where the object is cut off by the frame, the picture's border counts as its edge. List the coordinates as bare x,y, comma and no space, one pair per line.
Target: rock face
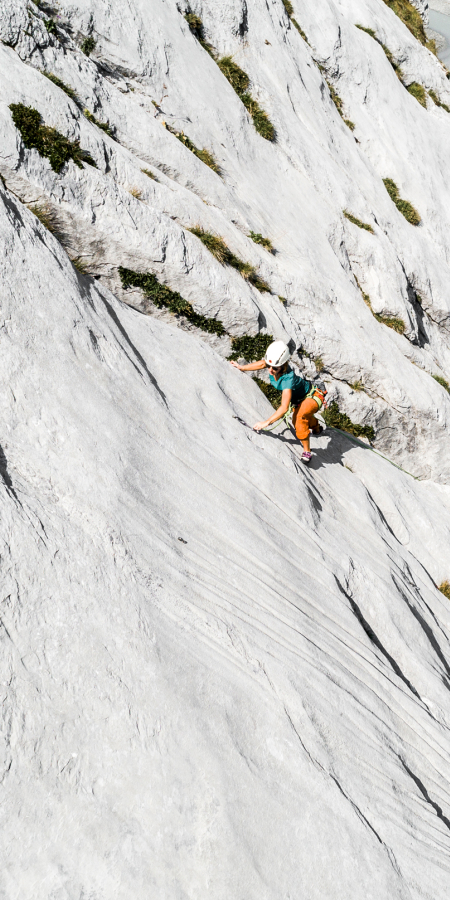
223,675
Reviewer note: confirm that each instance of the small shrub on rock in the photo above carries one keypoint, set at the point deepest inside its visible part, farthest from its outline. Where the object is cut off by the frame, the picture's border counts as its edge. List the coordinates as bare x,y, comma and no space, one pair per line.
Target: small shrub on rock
259,239
335,419
163,296
47,141
250,347
50,25
407,209
88,45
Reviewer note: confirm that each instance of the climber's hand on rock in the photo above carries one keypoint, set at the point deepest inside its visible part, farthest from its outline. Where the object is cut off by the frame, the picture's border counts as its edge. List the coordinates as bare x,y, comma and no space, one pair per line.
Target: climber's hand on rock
236,364
259,426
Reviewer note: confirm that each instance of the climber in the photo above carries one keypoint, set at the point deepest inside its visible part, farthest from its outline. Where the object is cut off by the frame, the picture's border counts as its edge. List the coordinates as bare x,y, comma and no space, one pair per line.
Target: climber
302,394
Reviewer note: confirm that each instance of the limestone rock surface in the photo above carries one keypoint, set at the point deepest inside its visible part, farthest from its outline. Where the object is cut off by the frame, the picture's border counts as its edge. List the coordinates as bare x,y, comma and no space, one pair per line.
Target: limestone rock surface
223,674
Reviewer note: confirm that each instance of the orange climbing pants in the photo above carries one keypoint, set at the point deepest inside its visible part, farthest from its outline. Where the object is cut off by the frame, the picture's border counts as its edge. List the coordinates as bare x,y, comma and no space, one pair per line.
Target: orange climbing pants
303,418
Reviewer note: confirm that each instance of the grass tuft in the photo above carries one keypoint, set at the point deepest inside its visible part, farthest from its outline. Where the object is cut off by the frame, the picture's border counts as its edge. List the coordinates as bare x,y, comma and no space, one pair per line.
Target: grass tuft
88,45
336,419
250,347
444,588
217,246
318,362
105,126
300,30
203,155
339,105
149,174
47,141
368,31
135,192
288,7
407,209
357,222
356,385
440,380
197,29
163,296
64,87
271,393
240,82
49,218
436,100
283,300
418,91
411,17
259,239
397,325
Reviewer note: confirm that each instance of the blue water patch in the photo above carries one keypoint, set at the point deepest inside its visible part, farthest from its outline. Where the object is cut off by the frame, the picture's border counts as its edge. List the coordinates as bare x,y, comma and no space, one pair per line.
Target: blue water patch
441,24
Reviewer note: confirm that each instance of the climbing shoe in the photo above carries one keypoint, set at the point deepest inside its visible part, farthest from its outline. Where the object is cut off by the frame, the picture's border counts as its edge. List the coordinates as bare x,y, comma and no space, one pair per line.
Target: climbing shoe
306,457
318,430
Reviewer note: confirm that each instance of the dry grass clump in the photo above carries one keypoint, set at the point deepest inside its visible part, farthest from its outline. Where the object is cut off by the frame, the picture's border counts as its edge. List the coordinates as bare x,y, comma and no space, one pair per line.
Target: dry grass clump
49,218
407,209
357,222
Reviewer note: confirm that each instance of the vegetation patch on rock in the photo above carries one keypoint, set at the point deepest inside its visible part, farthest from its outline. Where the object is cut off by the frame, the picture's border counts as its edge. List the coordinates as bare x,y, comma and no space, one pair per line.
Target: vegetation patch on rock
163,296
250,347
49,142
203,155
217,246
271,393
411,17
440,380
404,206
418,91
336,419
357,222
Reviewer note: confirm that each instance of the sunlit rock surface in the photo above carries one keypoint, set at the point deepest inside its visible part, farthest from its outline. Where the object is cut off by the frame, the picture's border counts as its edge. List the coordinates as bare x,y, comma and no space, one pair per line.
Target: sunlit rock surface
223,674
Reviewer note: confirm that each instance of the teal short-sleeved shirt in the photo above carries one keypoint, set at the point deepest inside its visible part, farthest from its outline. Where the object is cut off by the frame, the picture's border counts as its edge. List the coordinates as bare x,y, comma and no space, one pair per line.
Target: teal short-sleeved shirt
300,387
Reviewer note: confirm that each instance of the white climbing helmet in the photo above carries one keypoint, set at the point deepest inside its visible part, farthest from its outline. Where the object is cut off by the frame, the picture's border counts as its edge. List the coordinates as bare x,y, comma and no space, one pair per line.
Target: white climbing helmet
277,354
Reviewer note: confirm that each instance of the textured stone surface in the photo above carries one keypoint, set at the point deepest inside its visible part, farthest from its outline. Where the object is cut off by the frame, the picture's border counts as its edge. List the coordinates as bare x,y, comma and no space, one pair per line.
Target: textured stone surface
222,675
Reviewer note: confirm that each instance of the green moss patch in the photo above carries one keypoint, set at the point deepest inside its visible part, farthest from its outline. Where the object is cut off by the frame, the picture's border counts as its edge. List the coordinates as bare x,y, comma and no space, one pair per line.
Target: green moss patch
47,141
250,347
357,222
163,296
336,419
407,209
217,246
